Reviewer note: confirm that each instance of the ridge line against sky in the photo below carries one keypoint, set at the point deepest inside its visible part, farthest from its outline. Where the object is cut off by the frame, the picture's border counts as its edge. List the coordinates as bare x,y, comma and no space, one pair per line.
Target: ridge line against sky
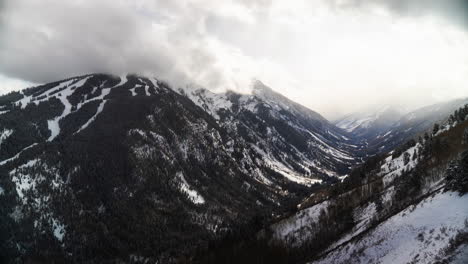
333,56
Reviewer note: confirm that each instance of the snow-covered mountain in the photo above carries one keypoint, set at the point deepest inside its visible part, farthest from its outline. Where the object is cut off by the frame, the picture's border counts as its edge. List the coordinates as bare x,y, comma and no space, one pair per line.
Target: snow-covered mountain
281,130
128,169
133,169
412,125
366,124
406,207
383,129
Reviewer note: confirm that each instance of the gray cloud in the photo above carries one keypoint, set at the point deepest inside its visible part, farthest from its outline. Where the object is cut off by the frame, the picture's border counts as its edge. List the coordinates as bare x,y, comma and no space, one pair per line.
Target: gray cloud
452,10
325,54
46,40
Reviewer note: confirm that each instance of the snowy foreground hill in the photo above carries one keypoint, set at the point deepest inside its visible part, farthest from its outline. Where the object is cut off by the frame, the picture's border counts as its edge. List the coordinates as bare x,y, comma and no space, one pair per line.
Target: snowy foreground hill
421,233
105,169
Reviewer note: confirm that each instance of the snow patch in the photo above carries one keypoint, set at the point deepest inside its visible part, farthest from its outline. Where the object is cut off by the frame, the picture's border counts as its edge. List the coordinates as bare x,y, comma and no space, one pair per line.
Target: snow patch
207,100
98,111
393,168
133,90
193,195
147,90
4,134
24,182
58,229
291,175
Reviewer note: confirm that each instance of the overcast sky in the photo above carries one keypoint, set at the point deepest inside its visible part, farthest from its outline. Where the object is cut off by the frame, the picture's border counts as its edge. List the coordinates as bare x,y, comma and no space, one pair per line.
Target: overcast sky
334,56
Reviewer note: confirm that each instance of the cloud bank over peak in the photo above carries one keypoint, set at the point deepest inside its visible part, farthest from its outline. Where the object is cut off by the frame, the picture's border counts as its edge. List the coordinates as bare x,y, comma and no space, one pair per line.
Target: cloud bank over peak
332,56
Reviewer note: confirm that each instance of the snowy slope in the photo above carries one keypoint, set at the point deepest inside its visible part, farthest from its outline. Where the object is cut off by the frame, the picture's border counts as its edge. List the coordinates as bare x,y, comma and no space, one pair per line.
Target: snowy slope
295,231
319,147
418,234
302,226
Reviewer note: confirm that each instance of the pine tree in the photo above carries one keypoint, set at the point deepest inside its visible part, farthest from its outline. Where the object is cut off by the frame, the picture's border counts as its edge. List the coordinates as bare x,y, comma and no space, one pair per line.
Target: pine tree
406,158
457,174
465,136
451,120
461,115
435,129
426,136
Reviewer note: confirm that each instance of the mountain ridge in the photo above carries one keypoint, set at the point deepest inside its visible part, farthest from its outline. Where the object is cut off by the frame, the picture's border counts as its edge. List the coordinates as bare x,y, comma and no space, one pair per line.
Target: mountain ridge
113,160
100,168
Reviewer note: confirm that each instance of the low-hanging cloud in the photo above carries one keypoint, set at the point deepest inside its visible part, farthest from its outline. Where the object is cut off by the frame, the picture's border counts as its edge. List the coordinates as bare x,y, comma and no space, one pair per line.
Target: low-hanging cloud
42,41
332,56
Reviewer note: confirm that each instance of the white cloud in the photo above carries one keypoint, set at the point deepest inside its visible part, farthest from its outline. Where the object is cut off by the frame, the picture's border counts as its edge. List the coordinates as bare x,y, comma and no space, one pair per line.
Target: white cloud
8,84
330,57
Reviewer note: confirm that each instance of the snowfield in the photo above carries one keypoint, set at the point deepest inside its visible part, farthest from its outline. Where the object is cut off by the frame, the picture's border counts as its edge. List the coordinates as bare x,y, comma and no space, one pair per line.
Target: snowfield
419,233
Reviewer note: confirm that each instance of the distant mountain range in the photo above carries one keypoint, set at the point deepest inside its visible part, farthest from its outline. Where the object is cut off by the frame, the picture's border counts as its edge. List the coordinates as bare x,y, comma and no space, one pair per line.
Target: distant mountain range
382,130
369,123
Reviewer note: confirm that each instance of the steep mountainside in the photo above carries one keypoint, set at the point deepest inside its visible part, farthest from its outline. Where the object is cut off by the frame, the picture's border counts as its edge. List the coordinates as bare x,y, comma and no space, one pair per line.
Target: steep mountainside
98,168
408,206
287,134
